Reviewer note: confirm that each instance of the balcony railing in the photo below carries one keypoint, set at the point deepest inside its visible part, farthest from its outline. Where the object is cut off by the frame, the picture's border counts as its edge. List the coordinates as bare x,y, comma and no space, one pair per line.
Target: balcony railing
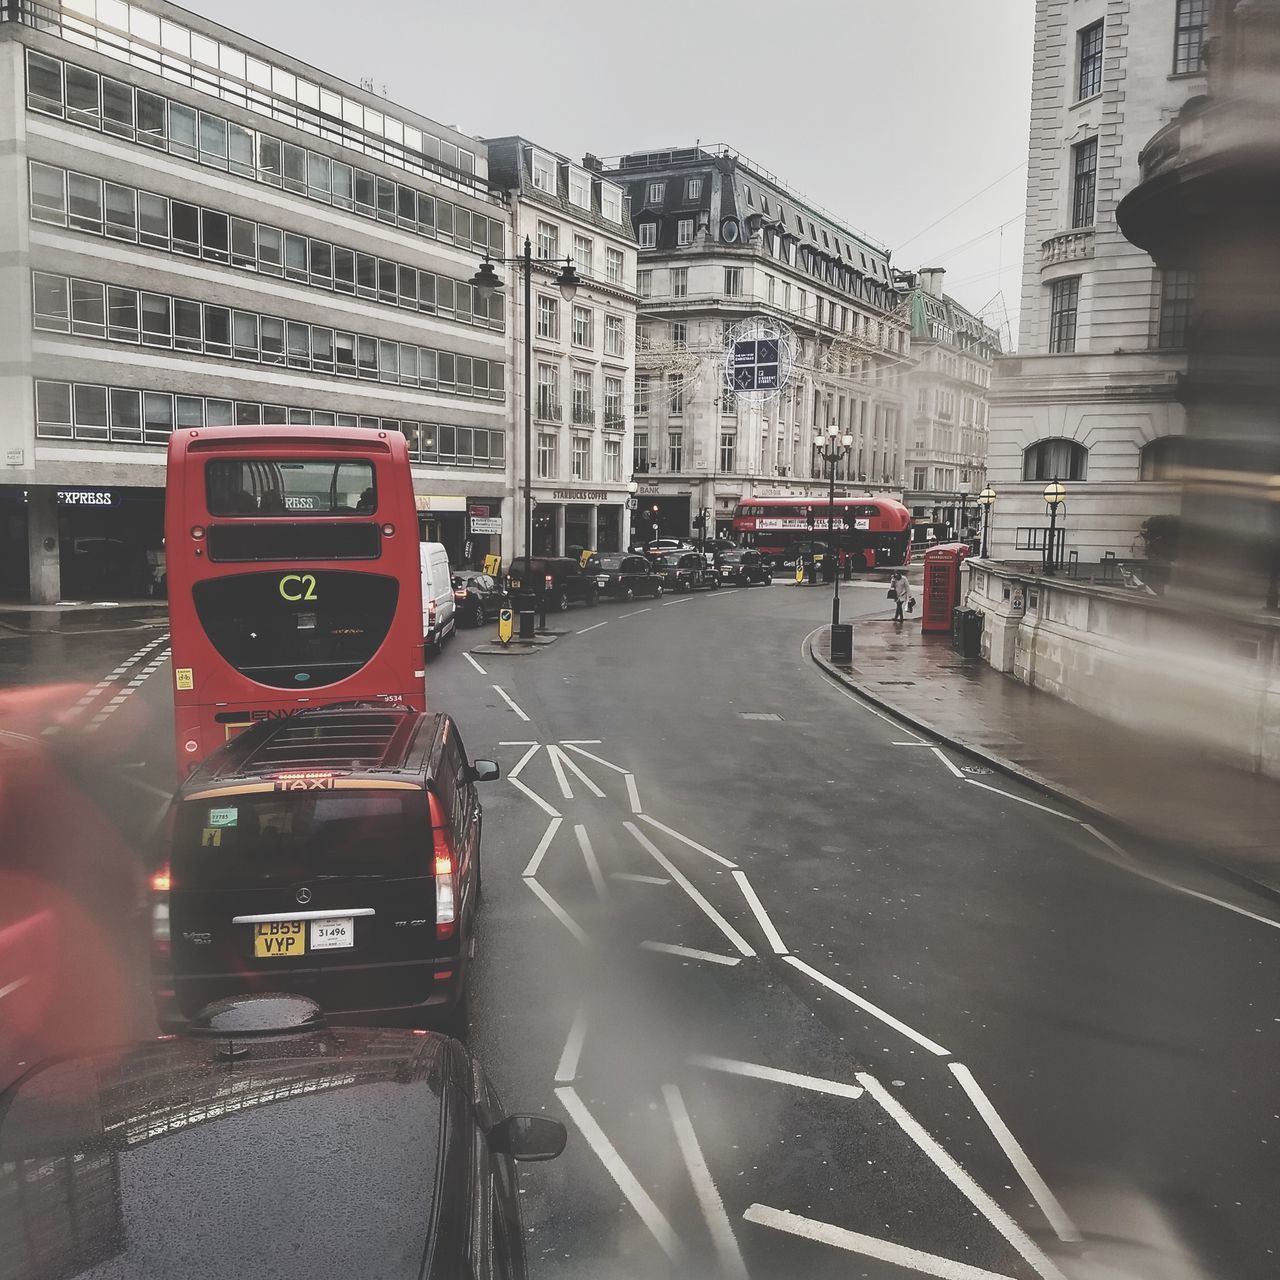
614,421
1068,246
583,416
548,410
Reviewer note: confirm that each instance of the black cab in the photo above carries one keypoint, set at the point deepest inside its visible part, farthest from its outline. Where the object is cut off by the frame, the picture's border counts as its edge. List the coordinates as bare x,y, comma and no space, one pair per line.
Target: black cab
625,576
686,571
561,578
744,568
334,854
477,598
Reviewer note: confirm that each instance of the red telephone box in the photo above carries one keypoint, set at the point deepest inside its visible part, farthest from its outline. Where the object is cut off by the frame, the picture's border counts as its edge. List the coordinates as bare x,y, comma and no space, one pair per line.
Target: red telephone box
942,584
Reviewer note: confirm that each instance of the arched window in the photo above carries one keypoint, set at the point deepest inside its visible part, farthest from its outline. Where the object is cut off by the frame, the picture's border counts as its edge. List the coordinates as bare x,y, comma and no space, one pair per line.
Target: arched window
1055,459
1162,458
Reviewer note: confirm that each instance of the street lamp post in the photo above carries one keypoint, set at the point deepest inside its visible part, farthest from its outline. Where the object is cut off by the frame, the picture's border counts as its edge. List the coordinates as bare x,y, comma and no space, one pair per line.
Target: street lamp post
837,447
1055,496
987,498
632,489
486,283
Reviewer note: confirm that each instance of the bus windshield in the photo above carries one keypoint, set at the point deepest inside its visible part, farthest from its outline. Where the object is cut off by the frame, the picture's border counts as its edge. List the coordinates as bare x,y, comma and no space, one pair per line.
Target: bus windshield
289,487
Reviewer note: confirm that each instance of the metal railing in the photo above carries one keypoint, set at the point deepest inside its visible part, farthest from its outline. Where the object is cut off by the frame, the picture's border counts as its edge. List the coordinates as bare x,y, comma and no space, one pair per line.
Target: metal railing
583,416
548,410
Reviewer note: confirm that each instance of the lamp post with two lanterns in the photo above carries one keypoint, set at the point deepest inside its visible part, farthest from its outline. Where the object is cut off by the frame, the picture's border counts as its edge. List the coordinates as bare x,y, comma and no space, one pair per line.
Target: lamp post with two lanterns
832,452
987,500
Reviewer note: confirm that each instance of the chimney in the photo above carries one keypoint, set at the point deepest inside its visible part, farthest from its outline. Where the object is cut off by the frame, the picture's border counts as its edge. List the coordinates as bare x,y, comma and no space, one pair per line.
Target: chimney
593,163
931,278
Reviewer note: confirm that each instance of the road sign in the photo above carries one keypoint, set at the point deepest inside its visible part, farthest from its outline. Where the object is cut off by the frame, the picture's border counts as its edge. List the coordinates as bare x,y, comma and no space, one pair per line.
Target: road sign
632,504
486,524
506,625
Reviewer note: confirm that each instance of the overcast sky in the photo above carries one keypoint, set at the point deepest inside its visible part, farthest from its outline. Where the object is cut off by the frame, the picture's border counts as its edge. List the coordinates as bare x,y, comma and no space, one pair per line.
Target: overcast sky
890,113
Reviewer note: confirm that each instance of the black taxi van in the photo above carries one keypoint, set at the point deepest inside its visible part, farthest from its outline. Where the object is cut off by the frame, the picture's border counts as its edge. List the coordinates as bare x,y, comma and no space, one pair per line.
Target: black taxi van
334,854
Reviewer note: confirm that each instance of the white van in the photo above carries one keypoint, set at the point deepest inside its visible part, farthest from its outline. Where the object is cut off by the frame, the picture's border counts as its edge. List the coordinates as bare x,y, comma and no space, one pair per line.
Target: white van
438,620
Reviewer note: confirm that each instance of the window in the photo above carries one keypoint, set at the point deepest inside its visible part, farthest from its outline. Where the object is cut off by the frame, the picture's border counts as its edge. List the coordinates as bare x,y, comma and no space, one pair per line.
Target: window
642,392
582,457
583,398
648,235
1064,303
684,231
82,96
579,189
1055,459
1189,29
920,478
188,331
123,323
654,192
215,235
615,335
611,202
679,282
44,90
582,327
644,283
675,450
117,108
640,452
548,240
53,409
544,173
613,460
693,189
84,202
728,451
157,320
582,246
1177,295
548,463
613,402
48,194
1089,47
1162,458
733,282
185,221
50,298
548,317
1084,180
679,333
675,389
183,131
613,262
549,392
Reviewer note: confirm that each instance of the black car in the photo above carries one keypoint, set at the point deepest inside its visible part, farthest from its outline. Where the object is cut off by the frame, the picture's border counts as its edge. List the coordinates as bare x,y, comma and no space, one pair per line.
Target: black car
263,1142
477,598
744,568
335,854
686,571
626,576
561,578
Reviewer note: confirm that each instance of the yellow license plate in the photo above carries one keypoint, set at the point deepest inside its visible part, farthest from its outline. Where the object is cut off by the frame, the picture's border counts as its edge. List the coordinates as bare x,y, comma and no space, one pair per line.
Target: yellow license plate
280,938
515,584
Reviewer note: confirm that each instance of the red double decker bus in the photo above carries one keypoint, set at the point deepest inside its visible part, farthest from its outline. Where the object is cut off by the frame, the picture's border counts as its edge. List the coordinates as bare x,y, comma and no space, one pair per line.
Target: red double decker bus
293,576
874,532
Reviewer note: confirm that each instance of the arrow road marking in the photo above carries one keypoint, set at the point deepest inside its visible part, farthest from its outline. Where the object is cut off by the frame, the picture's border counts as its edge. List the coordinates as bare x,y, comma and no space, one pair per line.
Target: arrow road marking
543,845
693,844
754,1071
690,953
555,753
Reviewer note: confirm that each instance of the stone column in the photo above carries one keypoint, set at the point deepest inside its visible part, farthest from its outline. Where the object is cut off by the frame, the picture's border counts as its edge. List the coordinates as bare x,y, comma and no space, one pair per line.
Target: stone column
42,545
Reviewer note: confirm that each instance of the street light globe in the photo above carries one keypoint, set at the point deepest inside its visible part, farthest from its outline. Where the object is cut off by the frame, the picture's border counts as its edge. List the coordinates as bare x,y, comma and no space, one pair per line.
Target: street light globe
568,281
987,496
833,431
847,441
1055,494
632,487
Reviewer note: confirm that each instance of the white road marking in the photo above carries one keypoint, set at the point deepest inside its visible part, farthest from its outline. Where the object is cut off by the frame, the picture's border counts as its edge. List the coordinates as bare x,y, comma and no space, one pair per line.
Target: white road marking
927,1264
1204,897
145,786
568,1067
639,1199
757,908
535,797
1111,844
563,782
669,603
543,845
594,626
1008,795
593,863
911,744
937,751
9,988
506,697
731,1264
563,757
149,670
558,911
739,942
577,750
753,1070
690,953
584,742
961,1180
631,875
523,742
632,794
647,609
693,844
524,759
867,1007
474,663
1062,1225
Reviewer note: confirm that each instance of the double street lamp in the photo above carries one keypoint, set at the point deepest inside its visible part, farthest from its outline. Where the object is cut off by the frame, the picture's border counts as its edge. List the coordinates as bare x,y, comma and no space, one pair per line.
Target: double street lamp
486,283
987,500
1055,496
832,452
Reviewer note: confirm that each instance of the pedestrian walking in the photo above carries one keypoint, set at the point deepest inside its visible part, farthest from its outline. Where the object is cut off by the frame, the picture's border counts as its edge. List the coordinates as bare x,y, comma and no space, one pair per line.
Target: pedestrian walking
899,593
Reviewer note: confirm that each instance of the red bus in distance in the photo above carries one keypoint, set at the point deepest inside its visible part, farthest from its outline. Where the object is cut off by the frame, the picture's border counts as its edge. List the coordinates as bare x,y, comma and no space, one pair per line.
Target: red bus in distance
293,576
875,532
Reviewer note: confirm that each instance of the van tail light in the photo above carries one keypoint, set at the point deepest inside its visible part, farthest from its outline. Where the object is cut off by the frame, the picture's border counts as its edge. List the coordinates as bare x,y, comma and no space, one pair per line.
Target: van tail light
548,582
446,874
431,613
160,883
460,595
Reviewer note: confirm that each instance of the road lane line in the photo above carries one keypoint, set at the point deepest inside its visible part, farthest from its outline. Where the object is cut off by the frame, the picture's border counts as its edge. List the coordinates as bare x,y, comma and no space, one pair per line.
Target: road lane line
567,1070
740,943
564,759
755,1071
632,794
631,875
1111,844
535,797
524,759
731,1264
910,744
690,953
639,1199
543,845
521,742
474,663
937,751
669,603
1062,1225
634,612
559,772
558,911
1204,897
594,626
577,750
593,863
867,1007
757,908
962,1180
693,844
1008,795
927,1264
506,697
584,742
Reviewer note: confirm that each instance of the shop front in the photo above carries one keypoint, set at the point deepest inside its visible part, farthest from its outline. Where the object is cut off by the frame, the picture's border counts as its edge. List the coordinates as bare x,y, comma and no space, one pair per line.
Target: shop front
469,528
569,521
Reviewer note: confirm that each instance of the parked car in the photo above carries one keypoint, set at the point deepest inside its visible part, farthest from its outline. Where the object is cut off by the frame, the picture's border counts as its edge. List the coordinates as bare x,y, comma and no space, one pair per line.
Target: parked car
336,853
686,571
665,546
476,597
744,568
563,579
626,576
439,618
284,1147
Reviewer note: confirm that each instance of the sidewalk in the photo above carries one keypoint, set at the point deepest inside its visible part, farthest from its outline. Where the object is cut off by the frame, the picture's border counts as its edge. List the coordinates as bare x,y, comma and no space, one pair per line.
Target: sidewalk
62,619
1161,790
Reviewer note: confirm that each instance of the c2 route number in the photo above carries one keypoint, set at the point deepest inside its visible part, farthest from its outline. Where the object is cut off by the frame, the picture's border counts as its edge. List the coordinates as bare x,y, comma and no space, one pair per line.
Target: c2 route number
298,586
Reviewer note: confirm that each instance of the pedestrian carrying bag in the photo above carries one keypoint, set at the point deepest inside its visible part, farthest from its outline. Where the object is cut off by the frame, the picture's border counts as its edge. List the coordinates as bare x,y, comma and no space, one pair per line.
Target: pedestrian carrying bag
911,605
891,594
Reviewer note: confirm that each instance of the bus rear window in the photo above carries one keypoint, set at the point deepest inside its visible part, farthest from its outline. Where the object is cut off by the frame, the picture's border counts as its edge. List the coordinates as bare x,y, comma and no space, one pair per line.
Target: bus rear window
289,486
282,837
297,630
